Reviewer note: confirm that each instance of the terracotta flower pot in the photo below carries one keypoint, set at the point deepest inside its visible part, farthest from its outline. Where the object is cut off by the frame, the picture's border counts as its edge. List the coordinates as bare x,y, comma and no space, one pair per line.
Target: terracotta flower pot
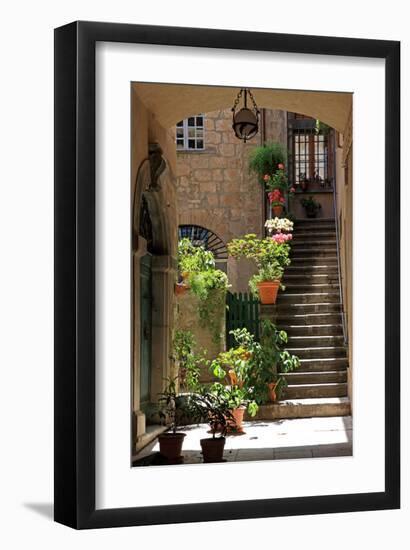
272,391
236,425
277,211
170,445
213,449
268,291
180,288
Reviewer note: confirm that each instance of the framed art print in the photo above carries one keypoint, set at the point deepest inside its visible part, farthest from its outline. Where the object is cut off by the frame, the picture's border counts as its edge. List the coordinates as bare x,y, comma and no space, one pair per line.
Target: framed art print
226,275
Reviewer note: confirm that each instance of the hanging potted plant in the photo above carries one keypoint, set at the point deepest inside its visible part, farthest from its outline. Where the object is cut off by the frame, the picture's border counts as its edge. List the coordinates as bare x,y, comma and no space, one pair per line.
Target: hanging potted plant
311,207
171,409
266,158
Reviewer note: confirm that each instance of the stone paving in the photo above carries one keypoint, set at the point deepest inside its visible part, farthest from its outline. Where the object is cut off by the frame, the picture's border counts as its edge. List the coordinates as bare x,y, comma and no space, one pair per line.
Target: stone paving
274,440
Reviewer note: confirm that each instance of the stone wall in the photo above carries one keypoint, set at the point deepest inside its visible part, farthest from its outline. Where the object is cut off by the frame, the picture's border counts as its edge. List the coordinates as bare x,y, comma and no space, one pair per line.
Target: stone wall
188,319
215,189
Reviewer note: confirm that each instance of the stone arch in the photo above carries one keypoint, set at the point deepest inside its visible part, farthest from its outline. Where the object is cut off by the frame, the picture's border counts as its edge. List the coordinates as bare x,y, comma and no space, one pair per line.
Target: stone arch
156,183
174,102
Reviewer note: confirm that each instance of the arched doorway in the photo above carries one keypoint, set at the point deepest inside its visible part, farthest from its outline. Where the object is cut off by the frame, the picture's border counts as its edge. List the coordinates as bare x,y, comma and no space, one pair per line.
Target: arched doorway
154,272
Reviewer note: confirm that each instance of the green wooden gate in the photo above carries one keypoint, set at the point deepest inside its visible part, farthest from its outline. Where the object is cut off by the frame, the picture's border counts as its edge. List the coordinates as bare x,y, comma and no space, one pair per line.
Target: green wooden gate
242,312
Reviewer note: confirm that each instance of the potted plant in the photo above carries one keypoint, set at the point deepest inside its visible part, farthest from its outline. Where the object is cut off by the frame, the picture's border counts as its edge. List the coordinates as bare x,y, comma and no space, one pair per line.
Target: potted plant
266,158
214,410
270,361
311,207
171,409
233,367
189,362
271,258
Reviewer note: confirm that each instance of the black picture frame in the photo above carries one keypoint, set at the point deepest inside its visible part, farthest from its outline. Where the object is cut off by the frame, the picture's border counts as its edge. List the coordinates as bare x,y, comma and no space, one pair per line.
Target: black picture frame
75,274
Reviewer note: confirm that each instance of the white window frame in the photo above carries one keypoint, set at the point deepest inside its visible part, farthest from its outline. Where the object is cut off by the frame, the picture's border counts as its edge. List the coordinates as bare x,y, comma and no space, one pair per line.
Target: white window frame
186,138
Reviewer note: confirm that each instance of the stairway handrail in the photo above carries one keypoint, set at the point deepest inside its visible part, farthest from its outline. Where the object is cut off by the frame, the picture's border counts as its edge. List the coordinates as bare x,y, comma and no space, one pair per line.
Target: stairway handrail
339,273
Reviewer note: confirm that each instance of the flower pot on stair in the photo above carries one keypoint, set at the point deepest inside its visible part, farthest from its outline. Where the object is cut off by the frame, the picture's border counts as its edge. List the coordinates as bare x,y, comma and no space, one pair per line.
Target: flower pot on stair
268,291
272,391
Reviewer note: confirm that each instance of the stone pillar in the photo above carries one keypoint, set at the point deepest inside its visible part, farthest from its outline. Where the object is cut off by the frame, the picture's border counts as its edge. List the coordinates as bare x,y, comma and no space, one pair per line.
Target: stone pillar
268,311
163,281
139,424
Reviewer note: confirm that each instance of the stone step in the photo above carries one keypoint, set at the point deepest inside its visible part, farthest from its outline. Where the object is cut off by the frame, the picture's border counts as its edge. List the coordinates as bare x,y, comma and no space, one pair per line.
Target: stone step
309,319
321,377
312,278
313,261
287,308
308,298
312,330
303,391
324,352
313,243
312,252
307,270
304,408
314,227
323,364
311,287
315,341
309,235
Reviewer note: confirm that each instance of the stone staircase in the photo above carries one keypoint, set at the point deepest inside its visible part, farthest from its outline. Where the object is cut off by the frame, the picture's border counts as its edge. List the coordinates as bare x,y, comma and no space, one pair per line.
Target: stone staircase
310,312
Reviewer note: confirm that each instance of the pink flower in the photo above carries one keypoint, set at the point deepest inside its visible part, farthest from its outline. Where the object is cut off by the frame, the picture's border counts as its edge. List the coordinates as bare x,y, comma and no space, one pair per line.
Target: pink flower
281,166
292,190
266,177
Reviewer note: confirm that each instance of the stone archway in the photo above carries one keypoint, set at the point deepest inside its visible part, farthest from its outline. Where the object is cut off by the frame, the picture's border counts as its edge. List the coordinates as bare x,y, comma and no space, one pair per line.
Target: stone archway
155,184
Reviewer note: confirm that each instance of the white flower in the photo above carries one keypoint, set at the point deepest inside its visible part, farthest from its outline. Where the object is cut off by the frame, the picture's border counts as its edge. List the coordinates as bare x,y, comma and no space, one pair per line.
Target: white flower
278,225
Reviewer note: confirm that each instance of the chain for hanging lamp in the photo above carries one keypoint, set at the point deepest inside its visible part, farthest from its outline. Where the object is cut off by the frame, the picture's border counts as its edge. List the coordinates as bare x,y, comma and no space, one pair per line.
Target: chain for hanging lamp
245,121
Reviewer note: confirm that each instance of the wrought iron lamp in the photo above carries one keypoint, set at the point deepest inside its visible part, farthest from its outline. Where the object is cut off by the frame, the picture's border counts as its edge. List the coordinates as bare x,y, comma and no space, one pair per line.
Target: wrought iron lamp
245,121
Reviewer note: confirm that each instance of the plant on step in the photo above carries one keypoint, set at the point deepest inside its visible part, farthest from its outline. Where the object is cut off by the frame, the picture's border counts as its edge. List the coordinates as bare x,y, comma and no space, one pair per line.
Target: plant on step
271,258
311,207
279,225
189,362
270,363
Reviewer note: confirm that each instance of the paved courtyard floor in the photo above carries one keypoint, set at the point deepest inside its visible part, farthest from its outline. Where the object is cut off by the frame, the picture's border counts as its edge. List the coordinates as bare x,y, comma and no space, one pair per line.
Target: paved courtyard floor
270,440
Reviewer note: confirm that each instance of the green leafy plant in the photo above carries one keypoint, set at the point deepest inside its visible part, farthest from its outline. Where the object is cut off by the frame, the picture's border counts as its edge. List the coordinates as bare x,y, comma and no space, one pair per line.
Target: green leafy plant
212,408
266,158
271,257
171,405
189,362
271,361
311,206
206,282
192,258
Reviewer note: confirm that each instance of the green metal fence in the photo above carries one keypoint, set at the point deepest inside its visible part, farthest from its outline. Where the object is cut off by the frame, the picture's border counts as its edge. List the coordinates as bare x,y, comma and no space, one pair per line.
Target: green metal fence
242,312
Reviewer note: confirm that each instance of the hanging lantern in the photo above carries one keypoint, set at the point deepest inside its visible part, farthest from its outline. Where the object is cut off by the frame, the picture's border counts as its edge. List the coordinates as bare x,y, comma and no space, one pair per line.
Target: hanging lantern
245,121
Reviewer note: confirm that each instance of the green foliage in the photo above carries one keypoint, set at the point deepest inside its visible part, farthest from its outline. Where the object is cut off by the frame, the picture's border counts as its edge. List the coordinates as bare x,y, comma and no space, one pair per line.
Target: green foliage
311,205
277,180
270,257
253,365
265,159
193,258
189,362
235,397
171,405
212,408
271,361
206,282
